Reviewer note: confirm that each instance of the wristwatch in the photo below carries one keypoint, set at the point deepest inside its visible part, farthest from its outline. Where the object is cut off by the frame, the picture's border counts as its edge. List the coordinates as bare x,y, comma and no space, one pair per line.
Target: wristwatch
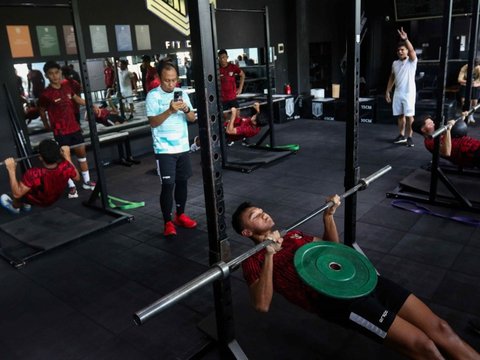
186,112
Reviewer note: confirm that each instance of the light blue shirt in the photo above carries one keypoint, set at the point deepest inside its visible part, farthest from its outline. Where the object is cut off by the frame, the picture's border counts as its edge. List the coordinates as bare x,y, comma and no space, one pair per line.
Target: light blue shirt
172,136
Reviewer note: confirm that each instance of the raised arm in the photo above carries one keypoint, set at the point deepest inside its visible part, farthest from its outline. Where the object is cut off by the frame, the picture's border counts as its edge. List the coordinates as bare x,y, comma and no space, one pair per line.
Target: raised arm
411,51
330,232
446,140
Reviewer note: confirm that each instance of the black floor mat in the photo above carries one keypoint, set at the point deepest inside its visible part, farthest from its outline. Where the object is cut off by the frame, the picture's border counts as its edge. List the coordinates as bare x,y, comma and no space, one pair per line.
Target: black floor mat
419,180
251,156
50,228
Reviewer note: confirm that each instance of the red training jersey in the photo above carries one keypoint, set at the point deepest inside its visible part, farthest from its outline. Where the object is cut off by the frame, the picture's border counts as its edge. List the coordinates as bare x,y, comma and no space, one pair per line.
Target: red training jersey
228,81
152,79
59,105
285,278
465,150
47,185
245,128
109,77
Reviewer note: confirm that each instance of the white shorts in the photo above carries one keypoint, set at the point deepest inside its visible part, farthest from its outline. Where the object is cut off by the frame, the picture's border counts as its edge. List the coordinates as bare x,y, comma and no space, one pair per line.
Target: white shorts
128,95
403,105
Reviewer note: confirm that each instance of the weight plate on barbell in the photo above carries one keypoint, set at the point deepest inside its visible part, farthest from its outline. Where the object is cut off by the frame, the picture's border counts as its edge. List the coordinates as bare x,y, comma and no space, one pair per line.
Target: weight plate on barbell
335,270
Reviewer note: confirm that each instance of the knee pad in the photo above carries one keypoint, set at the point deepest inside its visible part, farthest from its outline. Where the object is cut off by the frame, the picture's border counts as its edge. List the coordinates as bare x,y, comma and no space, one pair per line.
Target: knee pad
82,159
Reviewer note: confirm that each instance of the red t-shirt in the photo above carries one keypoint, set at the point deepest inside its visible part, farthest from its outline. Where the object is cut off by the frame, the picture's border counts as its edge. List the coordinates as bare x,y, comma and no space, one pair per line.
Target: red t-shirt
465,151
59,105
285,278
47,185
229,82
152,79
245,128
77,89
109,77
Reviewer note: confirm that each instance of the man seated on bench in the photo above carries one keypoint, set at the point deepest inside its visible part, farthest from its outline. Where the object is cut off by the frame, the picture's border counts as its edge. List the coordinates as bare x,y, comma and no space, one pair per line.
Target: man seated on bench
238,128
40,186
463,151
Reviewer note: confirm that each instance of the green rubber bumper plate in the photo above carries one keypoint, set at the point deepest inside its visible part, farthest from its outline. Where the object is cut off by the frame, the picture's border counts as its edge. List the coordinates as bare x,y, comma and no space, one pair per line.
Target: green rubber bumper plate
335,270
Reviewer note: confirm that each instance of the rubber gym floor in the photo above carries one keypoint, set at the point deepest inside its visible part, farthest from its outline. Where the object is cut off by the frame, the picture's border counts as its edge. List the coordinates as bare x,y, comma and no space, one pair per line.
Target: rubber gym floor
76,302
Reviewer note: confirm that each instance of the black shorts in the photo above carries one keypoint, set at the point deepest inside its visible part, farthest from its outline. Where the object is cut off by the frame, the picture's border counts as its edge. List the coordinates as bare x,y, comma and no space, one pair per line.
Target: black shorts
172,167
70,139
371,315
227,105
475,92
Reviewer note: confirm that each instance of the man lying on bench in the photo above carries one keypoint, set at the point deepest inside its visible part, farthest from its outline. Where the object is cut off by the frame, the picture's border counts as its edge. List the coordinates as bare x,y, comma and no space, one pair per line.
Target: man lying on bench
238,128
463,151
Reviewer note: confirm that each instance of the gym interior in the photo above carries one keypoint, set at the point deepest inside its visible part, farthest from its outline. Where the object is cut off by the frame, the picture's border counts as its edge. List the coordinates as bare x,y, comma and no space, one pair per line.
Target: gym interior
95,277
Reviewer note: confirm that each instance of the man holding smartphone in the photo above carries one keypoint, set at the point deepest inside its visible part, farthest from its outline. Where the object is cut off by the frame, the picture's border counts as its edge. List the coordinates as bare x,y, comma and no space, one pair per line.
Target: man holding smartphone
169,110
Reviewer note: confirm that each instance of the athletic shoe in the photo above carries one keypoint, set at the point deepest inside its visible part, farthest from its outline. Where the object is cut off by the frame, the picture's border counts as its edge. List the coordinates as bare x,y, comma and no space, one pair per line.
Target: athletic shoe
471,120
230,143
169,229
410,142
26,207
72,193
89,185
7,203
184,221
400,139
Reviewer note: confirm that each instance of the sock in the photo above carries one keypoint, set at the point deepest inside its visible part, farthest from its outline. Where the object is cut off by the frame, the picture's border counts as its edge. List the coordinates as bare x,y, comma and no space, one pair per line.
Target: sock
71,183
86,176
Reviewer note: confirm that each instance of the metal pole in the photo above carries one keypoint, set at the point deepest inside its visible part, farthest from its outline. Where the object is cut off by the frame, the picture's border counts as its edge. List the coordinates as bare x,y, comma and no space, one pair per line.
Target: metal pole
472,53
266,25
352,169
209,117
442,77
82,61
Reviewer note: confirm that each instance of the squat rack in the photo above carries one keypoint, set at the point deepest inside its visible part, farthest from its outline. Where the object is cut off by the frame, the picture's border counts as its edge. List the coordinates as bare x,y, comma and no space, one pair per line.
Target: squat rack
211,131
101,186
436,173
270,133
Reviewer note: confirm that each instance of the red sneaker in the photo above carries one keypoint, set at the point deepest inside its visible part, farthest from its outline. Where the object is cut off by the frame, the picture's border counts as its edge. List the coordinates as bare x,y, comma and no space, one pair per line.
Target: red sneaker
184,221
169,229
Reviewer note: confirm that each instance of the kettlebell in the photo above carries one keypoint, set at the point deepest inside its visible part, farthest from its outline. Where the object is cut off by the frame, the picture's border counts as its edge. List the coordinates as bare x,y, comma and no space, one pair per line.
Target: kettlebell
460,129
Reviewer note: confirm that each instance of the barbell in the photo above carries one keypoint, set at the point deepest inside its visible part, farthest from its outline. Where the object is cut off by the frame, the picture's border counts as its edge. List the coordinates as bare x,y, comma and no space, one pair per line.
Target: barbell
222,269
245,106
461,128
86,143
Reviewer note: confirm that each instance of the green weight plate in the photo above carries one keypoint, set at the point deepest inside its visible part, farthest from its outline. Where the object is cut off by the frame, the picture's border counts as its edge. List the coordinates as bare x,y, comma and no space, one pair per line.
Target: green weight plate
335,270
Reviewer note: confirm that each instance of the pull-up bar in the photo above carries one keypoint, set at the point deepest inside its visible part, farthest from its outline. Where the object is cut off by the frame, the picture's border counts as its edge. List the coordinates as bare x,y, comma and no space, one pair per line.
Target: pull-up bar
242,10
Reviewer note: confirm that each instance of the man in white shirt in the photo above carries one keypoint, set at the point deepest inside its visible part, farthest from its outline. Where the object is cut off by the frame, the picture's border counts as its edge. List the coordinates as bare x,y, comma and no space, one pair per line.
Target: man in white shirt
403,77
125,79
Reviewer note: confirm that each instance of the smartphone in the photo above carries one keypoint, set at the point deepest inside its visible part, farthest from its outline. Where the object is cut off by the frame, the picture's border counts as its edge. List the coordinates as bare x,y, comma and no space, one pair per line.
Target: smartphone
177,96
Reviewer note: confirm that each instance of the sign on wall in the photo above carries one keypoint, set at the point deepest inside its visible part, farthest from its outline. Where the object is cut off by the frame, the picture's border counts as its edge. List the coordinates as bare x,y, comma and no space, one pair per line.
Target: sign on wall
173,12
20,41
98,35
69,37
124,37
142,35
48,40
